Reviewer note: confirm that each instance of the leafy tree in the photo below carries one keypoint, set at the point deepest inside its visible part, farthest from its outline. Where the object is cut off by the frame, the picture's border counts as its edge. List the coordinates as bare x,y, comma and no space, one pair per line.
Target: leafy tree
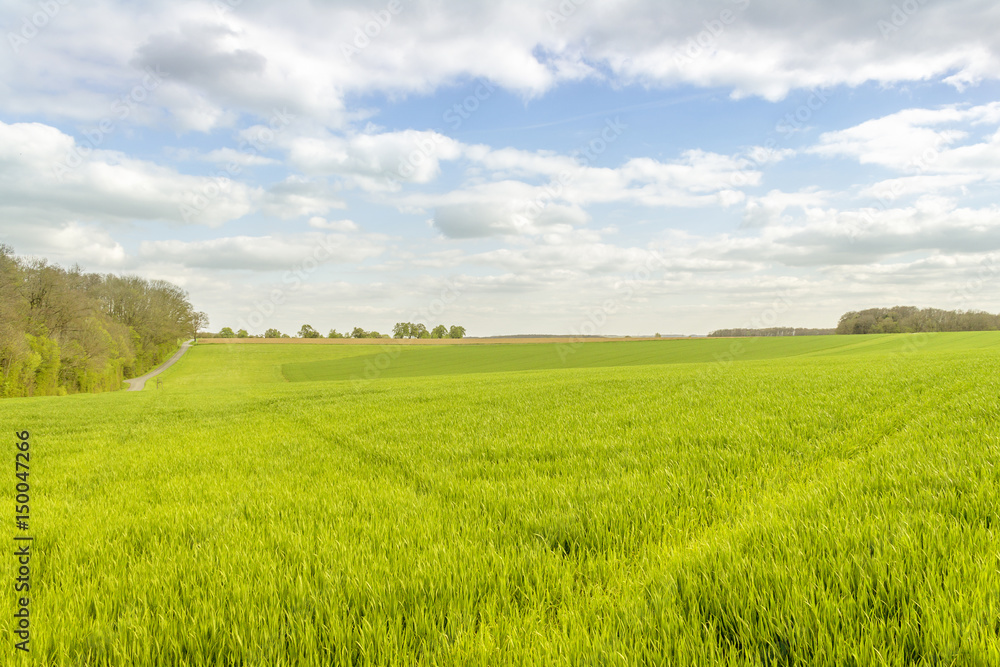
66,331
358,332
908,319
419,331
272,333
333,334
402,330
199,321
308,332
227,332
456,332
242,333
440,331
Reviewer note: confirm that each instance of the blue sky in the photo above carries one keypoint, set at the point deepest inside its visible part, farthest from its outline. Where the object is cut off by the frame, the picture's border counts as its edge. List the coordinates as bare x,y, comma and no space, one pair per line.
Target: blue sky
623,167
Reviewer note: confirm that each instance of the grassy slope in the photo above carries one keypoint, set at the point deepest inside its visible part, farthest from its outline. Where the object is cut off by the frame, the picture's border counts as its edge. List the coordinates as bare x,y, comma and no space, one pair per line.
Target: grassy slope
809,510
408,361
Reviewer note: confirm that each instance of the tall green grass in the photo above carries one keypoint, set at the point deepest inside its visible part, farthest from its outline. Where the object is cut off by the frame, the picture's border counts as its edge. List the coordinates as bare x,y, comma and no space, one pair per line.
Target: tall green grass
818,509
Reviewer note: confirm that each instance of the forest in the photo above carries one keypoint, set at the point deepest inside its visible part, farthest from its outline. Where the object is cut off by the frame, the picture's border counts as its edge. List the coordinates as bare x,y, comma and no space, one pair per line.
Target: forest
898,319
910,319
63,331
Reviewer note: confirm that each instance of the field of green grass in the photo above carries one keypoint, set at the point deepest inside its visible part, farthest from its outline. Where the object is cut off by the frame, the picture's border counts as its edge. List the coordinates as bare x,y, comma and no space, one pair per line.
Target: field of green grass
807,501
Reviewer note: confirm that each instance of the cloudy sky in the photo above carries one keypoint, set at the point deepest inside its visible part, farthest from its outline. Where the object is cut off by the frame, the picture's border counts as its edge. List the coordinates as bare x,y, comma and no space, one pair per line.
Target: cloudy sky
616,167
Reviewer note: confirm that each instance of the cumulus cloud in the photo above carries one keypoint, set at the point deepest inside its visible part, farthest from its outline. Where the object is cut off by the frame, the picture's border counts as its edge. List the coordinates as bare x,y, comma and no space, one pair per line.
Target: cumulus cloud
375,161
263,253
309,57
562,186
770,208
67,243
49,176
333,225
298,196
916,140
829,237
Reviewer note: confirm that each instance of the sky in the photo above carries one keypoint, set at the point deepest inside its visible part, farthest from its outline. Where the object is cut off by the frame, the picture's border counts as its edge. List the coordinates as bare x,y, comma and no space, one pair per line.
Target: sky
565,167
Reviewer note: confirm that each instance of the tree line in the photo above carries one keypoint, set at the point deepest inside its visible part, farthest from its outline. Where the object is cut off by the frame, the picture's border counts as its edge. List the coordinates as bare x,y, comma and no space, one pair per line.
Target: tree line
910,319
63,331
411,330
401,330
898,319
772,331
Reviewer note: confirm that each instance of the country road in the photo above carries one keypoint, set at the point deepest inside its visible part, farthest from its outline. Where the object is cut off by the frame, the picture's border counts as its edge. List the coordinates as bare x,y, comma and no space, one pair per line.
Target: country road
137,384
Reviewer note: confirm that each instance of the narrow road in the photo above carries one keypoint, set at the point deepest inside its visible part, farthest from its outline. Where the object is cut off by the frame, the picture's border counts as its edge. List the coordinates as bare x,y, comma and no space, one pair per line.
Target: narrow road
137,384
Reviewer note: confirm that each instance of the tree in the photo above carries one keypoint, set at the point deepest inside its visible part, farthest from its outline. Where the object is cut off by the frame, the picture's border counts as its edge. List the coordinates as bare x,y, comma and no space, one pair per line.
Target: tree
440,331
456,332
65,331
333,334
402,330
308,332
199,321
227,332
242,333
419,331
358,332
272,333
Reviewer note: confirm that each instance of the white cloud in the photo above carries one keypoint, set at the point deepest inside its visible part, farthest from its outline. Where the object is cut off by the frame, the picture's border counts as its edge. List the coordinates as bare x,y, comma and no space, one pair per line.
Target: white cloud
770,208
570,184
223,156
68,243
375,162
264,253
829,237
297,196
916,140
47,175
257,56
333,225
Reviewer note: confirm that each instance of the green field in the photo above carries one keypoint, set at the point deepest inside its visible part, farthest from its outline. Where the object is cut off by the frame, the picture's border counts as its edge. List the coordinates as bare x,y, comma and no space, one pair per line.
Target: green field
807,501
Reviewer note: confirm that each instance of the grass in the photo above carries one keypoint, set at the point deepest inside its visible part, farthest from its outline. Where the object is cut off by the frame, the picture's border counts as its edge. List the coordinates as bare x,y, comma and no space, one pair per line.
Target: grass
414,361
811,502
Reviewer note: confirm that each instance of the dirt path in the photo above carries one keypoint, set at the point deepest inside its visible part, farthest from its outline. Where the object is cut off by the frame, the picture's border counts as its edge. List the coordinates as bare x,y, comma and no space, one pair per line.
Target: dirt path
137,384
